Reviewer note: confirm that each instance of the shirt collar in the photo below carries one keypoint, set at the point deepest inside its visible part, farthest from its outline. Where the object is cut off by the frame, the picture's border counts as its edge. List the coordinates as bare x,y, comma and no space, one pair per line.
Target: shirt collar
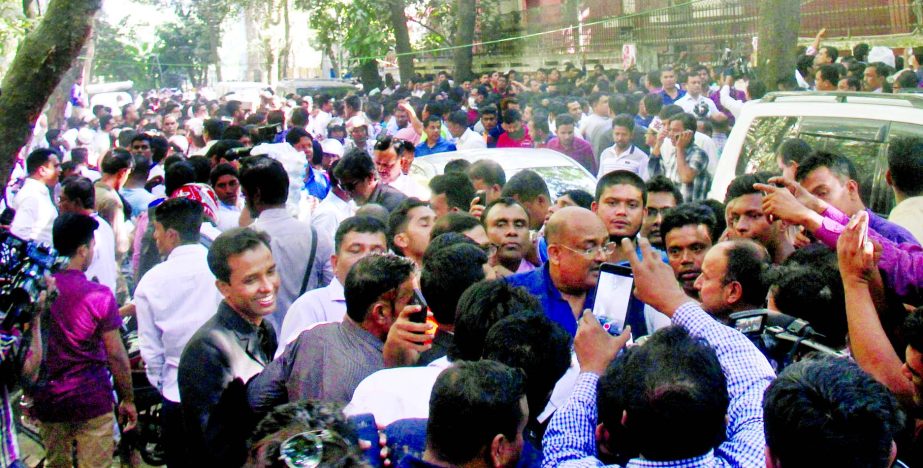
352,328
274,214
335,289
186,250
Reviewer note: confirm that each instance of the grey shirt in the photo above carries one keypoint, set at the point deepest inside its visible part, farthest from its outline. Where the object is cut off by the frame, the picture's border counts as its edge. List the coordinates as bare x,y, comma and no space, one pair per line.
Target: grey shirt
326,363
290,241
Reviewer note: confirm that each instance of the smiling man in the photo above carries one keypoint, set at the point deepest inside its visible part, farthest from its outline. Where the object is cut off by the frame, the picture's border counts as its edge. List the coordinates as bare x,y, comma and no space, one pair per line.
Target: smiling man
229,348
687,232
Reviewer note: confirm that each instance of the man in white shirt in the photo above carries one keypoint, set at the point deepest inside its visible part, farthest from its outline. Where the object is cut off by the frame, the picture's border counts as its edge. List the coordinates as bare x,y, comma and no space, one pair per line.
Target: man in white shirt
465,138
35,210
623,155
703,141
173,300
694,102
388,166
334,209
79,196
356,238
321,117
302,260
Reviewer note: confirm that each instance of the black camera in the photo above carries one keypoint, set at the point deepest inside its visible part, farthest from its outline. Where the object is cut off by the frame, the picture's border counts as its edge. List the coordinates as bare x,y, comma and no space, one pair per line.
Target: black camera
781,338
23,266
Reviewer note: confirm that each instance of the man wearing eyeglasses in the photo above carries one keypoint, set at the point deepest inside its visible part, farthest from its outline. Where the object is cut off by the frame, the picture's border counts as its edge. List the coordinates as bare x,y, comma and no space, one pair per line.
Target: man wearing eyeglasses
578,245
388,166
357,175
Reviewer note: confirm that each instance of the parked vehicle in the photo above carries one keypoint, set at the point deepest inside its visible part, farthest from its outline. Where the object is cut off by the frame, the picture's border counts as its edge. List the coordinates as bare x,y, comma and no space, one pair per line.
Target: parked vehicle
309,87
560,172
856,125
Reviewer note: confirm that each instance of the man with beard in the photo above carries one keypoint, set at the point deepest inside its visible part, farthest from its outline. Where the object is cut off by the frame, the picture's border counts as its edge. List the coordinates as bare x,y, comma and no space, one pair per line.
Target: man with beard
746,219
507,225
687,232
388,166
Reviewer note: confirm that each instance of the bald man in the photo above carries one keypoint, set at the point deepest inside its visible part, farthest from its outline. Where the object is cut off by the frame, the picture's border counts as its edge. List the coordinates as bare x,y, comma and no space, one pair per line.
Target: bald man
578,244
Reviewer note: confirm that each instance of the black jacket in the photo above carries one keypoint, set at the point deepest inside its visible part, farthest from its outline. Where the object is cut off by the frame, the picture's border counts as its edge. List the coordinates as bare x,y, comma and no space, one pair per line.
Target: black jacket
213,370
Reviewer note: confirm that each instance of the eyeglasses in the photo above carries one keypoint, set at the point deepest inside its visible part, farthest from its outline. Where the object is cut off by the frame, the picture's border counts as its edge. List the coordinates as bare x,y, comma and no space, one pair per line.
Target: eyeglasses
306,449
607,249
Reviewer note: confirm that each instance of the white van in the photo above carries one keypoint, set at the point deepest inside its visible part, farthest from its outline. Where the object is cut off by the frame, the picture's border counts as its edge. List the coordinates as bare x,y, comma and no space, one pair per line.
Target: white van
856,125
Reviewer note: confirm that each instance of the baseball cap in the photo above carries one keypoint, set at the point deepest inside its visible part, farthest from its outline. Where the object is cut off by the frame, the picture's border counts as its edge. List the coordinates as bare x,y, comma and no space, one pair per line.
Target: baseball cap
332,146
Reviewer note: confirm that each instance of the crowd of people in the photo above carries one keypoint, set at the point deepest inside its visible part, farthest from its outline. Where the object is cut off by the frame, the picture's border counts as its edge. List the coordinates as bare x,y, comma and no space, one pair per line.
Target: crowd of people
301,300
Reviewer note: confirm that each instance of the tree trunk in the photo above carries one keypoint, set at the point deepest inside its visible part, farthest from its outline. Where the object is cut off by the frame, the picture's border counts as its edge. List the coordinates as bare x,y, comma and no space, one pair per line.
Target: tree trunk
286,52
464,36
779,22
334,64
402,39
29,9
368,73
44,56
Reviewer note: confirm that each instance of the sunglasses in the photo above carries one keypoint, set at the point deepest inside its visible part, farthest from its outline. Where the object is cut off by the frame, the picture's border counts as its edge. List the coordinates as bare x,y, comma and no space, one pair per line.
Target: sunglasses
306,449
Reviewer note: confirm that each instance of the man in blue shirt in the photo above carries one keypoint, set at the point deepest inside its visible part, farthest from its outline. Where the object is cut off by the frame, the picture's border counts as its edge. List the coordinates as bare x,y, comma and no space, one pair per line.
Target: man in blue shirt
434,142
566,285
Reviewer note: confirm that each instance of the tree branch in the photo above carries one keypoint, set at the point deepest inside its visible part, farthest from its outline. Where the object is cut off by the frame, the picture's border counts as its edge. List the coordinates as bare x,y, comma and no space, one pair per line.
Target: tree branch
429,28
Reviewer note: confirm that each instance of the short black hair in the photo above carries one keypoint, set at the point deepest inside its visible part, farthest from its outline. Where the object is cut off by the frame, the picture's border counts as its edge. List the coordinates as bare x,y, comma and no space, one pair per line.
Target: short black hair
79,155
582,198
141,169
371,277
717,208
400,218
456,165
488,110
794,150
202,166
488,171
264,176
563,119
845,416
457,189
183,216
71,231
454,221
743,185
479,308
443,241
221,150
360,224
80,189
672,388
813,293
653,102
526,186
905,163
214,128
687,119
839,165
116,160
290,419
625,121
831,51
233,242
504,201
221,170
295,134
356,165
747,263
913,329
688,215
511,116
470,404
621,177
829,72
446,274
662,184
536,345
432,118
459,117
177,175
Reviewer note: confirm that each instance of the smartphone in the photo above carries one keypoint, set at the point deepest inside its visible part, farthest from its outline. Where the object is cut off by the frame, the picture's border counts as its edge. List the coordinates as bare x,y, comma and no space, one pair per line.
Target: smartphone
418,317
481,195
367,429
613,297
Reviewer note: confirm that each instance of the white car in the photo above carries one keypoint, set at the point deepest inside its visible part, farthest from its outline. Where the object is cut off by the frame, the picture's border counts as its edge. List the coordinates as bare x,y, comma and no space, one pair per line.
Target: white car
856,125
560,172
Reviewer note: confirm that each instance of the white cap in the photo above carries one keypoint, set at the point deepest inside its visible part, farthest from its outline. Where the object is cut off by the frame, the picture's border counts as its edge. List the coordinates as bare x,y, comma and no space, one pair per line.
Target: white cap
881,54
356,121
332,146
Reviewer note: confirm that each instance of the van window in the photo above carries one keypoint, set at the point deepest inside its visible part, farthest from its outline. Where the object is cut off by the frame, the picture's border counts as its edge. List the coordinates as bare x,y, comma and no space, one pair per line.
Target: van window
863,141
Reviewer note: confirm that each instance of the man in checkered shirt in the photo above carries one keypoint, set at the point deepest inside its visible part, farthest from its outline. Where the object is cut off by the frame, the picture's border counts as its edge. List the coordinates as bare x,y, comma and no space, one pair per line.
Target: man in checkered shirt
687,166
690,397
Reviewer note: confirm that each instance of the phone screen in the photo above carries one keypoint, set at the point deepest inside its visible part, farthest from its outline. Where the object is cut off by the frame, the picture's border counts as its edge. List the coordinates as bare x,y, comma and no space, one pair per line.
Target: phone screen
613,297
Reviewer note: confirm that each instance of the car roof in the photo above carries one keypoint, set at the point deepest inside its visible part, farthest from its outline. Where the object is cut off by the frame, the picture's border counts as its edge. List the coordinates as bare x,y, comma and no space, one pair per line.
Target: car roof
511,159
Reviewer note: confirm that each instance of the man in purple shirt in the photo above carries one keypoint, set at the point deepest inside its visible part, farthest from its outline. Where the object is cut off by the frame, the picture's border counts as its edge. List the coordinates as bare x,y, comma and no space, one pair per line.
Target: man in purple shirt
833,179
70,362
577,148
